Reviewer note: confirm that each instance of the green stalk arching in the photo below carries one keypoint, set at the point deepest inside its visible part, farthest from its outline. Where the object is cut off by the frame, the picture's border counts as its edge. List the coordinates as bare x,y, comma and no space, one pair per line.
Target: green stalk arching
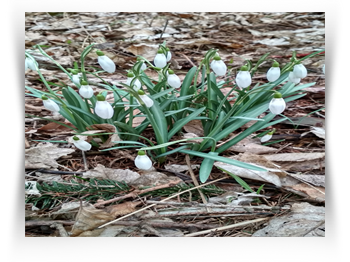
86,51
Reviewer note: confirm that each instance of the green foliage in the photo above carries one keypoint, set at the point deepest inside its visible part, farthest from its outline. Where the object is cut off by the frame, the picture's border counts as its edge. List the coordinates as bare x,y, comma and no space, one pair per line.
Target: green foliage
172,109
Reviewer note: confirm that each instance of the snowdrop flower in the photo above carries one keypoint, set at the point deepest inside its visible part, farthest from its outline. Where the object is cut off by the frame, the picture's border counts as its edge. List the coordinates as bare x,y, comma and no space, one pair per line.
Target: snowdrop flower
50,104
142,161
293,79
81,144
105,62
103,109
146,99
274,72
160,59
76,78
168,54
31,64
173,80
299,71
137,83
243,78
85,90
268,136
218,66
277,104
324,69
143,66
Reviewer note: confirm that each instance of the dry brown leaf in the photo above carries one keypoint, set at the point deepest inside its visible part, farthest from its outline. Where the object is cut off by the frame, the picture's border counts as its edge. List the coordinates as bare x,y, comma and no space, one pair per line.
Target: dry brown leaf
195,127
54,129
107,128
298,162
250,145
122,209
146,50
313,192
89,218
119,175
44,155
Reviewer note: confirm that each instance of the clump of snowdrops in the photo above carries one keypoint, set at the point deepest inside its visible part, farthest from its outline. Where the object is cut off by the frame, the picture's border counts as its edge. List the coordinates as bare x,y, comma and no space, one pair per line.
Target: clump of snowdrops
168,104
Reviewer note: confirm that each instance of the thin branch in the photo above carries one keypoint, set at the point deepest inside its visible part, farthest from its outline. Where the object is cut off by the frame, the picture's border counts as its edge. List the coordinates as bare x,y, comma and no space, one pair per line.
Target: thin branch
162,201
227,227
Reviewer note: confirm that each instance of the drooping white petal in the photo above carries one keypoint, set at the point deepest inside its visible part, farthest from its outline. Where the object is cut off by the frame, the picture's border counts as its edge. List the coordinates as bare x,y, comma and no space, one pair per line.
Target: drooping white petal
106,63
174,81
86,91
265,138
299,71
51,105
277,105
143,66
219,67
31,63
243,79
160,60
82,145
168,56
104,110
292,78
148,101
137,83
143,162
273,74
76,80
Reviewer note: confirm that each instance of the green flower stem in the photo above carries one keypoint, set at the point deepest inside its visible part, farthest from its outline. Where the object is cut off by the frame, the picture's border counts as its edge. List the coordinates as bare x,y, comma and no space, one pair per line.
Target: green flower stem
131,110
82,60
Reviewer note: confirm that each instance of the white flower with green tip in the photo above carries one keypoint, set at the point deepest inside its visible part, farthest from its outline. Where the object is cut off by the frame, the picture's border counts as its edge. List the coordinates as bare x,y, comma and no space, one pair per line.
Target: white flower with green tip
86,90
277,104
160,59
173,80
81,144
218,66
274,72
105,62
102,108
142,161
243,78
50,104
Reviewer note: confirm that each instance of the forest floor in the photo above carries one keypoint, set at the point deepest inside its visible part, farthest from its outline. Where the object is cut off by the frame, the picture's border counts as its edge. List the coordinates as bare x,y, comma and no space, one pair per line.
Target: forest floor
299,152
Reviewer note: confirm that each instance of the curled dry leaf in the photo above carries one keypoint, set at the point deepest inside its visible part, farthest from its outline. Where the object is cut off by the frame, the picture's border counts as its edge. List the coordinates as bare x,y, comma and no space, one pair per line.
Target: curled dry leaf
89,218
107,128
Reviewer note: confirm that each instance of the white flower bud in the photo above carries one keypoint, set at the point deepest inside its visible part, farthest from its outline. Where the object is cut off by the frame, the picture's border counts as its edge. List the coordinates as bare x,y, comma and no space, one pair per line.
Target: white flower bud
82,145
273,74
76,80
173,80
243,79
51,105
168,56
143,161
293,79
104,110
86,91
160,60
106,63
30,63
219,67
277,104
299,71
148,101
137,83
265,138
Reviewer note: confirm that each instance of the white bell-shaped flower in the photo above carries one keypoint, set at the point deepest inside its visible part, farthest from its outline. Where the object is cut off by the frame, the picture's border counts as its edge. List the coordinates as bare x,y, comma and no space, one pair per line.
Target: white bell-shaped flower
102,108
160,59
81,144
143,66
76,78
324,69
218,66
274,72
105,62
299,71
86,90
145,99
293,79
268,136
31,64
173,80
277,104
168,55
243,78
142,161
50,104
137,83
